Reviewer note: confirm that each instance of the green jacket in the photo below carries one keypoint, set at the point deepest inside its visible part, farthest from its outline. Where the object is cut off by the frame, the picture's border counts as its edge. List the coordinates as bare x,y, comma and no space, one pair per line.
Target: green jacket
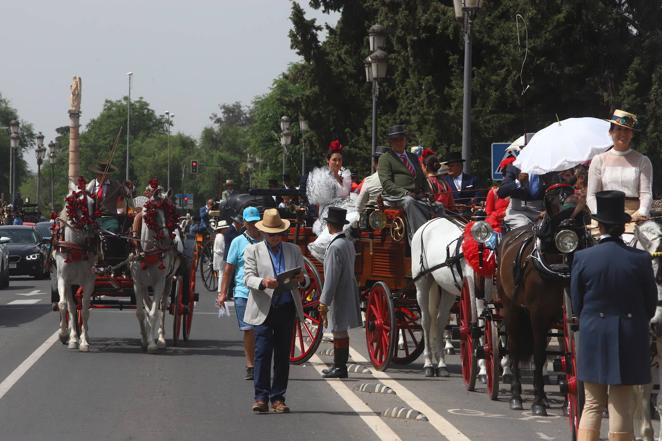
395,177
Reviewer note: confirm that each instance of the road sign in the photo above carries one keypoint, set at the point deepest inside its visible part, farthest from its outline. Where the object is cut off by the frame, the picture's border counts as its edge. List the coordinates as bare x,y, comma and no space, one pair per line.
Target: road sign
498,152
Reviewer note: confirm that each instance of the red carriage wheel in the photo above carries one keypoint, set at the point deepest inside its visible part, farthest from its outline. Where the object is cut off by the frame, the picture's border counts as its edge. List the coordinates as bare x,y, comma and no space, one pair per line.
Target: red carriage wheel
492,357
469,362
307,335
574,388
381,327
409,338
177,309
188,308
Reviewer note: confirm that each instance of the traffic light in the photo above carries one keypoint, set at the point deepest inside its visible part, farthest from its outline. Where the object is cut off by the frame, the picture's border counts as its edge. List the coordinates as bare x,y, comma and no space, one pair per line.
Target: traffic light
194,166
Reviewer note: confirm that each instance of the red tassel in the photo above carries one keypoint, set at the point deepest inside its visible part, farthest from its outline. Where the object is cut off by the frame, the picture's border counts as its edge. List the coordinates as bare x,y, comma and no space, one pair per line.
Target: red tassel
470,251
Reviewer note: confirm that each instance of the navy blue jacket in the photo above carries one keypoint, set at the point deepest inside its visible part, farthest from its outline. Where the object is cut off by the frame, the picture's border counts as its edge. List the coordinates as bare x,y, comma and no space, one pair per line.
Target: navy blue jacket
469,189
511,188
614,295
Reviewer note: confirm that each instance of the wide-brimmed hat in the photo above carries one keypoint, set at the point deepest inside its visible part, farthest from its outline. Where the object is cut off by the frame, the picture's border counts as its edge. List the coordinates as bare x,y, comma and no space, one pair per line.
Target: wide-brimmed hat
397,131
221,225
251,214
611,207
103,167
336,216
624,119
272,223
452,157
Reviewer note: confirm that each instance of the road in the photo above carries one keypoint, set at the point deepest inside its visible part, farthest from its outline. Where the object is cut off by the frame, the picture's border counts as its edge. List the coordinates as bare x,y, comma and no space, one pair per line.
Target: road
196,391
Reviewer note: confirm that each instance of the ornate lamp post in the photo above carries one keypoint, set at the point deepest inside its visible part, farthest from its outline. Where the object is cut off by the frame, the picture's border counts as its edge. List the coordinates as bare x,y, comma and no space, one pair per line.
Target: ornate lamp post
51,159
13,147
169,117
285,138
303,128
465,12
41,154
375,69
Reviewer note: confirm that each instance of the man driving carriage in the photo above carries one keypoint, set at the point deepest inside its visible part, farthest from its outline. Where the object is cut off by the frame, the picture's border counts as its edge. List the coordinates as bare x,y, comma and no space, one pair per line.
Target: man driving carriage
113,198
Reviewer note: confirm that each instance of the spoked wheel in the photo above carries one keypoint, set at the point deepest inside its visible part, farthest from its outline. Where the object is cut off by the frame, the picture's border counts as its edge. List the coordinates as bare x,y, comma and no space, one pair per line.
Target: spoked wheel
469,361
574,388
409,338
209,276
307,335
381,327
177,309
188,308
492,357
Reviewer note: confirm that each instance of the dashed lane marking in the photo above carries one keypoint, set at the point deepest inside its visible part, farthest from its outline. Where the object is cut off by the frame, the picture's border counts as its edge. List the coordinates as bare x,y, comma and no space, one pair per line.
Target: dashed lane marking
25,366
24,302
34,292
374,421
441,424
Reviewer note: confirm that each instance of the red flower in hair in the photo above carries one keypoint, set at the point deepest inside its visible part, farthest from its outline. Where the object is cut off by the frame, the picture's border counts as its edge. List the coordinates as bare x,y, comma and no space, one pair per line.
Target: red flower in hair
81,183
427,152
335,146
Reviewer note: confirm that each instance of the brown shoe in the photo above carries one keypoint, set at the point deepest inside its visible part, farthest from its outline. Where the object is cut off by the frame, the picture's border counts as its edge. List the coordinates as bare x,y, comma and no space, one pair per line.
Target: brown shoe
280,407
260,406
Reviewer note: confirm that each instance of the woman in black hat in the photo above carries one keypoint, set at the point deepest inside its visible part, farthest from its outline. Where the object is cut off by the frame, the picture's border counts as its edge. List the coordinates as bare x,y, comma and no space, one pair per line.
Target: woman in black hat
614,295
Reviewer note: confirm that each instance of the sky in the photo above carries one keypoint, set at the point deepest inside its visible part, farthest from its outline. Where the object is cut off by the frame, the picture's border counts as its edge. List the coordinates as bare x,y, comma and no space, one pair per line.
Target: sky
187,57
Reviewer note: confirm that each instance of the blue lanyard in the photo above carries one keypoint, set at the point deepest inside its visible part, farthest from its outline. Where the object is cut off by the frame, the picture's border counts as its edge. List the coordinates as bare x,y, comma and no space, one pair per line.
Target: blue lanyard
279,264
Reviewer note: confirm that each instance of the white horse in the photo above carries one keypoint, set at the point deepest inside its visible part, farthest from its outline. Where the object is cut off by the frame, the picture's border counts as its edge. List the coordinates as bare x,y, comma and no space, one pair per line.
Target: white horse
649,238
152,266
75,254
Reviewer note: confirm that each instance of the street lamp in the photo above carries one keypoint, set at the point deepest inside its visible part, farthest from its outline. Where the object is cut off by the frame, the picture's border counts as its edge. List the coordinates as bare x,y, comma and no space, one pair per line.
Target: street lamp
51,159
128,125
13,147
303,128
285,138
465,12
169,117
375,70
41,154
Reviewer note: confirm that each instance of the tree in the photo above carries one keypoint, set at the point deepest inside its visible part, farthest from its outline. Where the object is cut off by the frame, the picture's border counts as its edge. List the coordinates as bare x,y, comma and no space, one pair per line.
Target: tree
27,136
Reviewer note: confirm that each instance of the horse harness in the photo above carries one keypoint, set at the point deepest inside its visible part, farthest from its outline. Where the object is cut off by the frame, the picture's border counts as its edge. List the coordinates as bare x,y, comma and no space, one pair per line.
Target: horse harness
72,251
452,259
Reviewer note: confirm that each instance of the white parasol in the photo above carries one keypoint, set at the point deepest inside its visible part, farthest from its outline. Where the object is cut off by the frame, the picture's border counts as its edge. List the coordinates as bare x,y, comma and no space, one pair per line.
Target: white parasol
564,144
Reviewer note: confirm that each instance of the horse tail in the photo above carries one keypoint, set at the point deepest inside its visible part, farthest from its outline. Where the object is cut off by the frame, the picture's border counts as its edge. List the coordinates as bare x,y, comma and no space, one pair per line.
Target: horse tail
520,333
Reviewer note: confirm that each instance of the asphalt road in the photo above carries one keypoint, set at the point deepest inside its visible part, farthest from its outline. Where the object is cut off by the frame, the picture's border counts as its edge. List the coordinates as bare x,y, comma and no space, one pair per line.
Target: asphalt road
196,391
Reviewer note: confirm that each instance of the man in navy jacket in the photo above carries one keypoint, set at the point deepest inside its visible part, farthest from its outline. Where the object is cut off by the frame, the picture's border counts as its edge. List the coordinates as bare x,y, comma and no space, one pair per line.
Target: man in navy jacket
464,185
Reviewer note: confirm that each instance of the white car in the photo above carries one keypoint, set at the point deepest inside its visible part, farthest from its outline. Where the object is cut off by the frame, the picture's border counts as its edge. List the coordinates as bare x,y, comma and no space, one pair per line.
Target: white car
4,262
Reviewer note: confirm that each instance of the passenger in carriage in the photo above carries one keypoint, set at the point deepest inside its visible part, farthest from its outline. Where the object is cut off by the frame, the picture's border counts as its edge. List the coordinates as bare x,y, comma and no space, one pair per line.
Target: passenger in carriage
464,185
371,187
526,197
110,195
439,188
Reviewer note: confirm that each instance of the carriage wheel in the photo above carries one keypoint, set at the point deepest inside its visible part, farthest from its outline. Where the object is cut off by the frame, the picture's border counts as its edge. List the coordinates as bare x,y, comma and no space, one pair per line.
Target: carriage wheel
189,304
177,309
398,229
492,357
380,324
409,338
574,388
307,335
469,361
209,276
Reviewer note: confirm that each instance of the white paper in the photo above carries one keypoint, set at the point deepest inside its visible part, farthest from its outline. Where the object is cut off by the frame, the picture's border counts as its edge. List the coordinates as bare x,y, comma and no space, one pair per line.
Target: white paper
224,311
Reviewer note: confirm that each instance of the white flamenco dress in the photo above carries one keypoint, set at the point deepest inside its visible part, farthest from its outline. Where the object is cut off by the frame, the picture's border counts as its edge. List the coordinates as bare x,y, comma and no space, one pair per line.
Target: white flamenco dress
323,190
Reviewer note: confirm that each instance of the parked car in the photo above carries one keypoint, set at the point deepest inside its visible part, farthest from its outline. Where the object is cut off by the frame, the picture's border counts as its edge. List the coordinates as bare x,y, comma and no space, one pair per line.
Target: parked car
27,251
44,229
4,262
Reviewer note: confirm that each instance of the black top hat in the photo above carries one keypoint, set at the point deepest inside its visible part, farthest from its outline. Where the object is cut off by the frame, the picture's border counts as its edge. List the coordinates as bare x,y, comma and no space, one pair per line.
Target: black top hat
379,151
397,130
453,157
336,216
611,207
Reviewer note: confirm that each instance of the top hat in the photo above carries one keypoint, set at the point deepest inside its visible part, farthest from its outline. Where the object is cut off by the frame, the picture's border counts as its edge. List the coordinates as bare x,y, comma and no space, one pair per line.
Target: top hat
396,131
453,157
103,167
379,151
624,119
611,207
272,223
336,216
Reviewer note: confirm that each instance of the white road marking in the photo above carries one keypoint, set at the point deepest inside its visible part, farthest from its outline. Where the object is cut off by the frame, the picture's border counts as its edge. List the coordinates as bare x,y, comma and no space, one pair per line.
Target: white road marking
443,426
379,427
34,292
16,375
24,302
544,436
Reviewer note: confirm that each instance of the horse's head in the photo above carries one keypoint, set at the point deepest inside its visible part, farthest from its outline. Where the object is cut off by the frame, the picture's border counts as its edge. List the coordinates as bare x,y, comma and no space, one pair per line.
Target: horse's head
159,213
559,200
80,208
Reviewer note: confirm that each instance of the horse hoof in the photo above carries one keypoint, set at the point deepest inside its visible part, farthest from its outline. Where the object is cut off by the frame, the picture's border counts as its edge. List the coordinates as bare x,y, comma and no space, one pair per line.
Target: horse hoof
64,338
539,410
152,348
516,404
161,344
429,371
84,348
449,351
482,378
442,372
72,344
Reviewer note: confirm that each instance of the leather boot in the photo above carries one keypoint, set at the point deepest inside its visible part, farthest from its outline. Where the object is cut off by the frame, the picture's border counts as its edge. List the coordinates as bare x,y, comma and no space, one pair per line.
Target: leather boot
621,436
588,435
340,357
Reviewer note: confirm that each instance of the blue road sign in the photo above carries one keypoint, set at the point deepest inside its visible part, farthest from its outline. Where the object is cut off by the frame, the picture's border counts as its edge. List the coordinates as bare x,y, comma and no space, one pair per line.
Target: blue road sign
498,152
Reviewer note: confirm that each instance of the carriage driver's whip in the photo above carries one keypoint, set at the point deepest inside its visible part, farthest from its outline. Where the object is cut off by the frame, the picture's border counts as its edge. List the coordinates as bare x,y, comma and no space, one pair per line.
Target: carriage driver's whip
110,156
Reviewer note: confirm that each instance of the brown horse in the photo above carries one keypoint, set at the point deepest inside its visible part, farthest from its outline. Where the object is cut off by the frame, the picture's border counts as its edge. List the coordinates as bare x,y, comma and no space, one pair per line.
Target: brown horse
531,276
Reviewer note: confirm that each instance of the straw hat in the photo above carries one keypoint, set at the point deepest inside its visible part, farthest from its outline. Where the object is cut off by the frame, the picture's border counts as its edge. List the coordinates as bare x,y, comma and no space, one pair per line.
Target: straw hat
221,225
103,167
624,119
272,223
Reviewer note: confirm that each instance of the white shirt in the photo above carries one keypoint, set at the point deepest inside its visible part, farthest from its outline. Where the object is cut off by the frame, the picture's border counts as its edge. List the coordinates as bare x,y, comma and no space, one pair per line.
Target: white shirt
457,180
370,191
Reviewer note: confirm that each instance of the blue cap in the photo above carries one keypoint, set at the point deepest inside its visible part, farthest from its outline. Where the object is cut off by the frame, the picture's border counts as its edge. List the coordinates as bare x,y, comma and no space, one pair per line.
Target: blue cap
251,214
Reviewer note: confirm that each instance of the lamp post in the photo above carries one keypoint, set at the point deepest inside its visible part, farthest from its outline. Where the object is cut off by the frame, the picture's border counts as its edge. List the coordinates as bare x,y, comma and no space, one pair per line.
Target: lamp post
285,138
465,12
51,159
128,125
169,117
375,70
41,154
13,147
303,128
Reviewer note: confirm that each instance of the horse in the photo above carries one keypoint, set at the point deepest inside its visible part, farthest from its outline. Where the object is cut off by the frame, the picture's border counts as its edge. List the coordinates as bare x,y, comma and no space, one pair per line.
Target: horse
153,264
531,276
75,243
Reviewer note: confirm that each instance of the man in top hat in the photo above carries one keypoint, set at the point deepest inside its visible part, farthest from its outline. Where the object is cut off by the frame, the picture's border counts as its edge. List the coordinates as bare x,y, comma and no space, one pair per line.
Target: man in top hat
464,185
614,296
339,302
229,190
111,195
272,307
371,187
403,180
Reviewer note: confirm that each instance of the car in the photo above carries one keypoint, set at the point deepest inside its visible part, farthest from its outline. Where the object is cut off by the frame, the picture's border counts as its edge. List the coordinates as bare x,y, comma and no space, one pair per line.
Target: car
27,251
4,262
44,229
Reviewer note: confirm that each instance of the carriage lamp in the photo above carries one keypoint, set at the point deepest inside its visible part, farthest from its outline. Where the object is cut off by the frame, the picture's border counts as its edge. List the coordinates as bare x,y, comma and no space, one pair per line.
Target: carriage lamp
481,231
566,241
377,220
